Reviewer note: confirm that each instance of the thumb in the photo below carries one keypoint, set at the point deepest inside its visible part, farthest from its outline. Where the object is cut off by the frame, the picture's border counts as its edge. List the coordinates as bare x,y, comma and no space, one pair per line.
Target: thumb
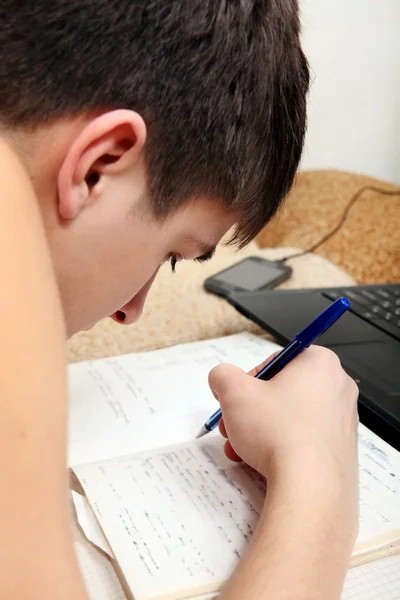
227,382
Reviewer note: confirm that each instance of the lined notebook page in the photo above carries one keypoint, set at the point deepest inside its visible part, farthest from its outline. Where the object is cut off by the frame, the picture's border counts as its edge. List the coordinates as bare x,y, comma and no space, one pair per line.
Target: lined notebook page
177,519
379,580
379,466
131,403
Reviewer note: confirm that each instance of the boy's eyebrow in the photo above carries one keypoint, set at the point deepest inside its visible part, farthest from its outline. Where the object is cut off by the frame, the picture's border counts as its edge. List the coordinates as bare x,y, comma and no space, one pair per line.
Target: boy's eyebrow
205,249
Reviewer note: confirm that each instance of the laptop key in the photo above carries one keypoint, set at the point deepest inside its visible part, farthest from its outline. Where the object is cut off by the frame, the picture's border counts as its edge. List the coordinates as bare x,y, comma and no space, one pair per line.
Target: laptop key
334,295
386,304
377,310
383,293
369,295
354,297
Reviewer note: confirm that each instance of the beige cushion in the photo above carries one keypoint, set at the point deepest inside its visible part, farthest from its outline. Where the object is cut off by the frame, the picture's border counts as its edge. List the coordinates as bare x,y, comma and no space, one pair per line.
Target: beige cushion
179,310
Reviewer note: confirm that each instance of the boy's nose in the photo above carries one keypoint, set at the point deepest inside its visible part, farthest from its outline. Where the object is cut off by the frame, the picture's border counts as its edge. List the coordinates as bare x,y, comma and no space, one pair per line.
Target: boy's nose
131,312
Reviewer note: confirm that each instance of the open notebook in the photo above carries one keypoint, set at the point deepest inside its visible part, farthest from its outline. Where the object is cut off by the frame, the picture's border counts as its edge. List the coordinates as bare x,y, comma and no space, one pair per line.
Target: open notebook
176,514
379,580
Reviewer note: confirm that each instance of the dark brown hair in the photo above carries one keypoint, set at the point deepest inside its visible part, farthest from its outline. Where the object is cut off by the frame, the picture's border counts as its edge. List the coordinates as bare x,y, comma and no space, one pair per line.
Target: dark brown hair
221,85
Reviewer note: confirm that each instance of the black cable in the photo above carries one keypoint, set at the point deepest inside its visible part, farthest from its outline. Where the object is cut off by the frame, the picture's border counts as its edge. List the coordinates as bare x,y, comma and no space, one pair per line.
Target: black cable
365,188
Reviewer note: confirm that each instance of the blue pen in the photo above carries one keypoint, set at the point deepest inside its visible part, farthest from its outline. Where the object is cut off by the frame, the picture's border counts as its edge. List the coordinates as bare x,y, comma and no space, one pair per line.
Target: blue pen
301,341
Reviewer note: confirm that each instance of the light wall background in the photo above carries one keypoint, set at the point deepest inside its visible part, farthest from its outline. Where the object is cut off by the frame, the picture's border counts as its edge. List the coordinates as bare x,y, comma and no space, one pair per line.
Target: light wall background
353,47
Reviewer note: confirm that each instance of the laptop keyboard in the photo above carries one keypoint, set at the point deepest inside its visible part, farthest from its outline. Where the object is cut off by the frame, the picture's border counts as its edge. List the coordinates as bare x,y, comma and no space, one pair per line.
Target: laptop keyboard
378,304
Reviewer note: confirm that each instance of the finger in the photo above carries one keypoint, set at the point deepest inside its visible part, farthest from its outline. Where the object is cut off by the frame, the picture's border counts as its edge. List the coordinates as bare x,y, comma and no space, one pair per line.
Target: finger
233,386
257,369
223,379
215,395
230,453
222,429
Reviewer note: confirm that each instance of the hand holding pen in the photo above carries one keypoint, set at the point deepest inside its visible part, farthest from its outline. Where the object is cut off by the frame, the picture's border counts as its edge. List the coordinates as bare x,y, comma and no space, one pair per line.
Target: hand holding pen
300,342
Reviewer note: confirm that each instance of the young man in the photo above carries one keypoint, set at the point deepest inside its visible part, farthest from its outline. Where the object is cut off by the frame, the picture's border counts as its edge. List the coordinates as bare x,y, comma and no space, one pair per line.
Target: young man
133,133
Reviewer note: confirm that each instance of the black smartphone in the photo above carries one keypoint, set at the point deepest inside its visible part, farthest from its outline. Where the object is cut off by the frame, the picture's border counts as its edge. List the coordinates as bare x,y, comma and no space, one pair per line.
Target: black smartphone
248,275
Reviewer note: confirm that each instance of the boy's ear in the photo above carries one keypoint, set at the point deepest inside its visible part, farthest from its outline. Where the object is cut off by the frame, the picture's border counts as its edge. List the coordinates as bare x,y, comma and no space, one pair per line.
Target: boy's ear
109,145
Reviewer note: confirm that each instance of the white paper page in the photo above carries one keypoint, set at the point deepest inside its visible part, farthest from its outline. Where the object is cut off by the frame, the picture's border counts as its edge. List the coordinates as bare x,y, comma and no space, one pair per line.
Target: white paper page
100,577
177,520
98,573
379,580
379,487
135,402
89,524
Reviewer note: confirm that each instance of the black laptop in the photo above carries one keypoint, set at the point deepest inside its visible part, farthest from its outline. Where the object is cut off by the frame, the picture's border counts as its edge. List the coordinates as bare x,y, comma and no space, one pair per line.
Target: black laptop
366,339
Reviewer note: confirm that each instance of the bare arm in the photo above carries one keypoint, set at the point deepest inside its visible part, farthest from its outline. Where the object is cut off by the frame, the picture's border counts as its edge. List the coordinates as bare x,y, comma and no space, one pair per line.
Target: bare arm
301,548
36,548
300,431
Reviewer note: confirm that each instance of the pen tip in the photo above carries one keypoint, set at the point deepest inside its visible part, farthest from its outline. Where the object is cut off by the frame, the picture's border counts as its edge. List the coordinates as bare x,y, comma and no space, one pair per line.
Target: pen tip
202,432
